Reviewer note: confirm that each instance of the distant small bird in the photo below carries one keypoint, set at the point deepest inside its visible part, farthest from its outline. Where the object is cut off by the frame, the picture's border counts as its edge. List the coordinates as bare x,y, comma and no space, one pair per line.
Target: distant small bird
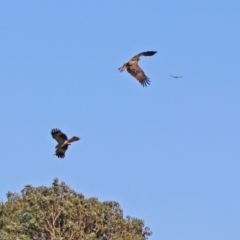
133,68
176,76
63,142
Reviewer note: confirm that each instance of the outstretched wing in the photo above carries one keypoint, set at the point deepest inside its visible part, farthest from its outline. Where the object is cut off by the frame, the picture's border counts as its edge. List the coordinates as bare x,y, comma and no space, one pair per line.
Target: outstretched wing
139,74
60,152
148,53
73,139
58,136
135,59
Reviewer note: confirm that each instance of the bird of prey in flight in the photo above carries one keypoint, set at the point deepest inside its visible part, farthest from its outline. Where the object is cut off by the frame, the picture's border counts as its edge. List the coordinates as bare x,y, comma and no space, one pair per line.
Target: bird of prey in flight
176,76
133,68
63,142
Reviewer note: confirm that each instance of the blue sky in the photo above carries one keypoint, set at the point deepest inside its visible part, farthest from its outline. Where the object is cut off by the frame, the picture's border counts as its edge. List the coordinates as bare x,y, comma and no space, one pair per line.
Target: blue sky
168,153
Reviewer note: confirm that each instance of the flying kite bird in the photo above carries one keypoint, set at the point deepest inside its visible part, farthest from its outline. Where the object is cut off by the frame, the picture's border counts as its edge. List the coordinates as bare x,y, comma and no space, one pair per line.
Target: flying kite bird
63,142
133,68
176,76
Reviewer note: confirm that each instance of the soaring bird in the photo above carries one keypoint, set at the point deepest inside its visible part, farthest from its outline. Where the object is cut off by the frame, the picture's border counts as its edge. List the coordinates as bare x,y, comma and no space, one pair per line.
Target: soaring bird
176,76
133,68
63,142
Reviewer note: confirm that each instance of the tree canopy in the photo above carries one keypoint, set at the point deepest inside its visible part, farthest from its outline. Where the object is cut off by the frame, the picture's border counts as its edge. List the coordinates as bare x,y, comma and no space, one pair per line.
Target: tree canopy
60,213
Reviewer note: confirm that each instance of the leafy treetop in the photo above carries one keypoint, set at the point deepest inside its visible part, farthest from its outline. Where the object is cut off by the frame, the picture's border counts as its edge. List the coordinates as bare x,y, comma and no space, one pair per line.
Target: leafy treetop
59,213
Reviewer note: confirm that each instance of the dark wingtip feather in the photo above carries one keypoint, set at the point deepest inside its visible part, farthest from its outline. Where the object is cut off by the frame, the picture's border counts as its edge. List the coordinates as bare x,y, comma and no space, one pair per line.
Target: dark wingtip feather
149,53
146,82
55,130
60,155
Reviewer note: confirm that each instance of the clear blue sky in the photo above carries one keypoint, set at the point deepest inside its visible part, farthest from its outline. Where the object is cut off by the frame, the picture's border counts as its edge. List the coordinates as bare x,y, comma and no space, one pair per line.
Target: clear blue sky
168,153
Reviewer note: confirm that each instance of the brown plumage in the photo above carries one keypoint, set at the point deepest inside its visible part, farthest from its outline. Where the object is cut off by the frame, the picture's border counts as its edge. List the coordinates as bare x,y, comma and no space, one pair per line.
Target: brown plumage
63,142
133,68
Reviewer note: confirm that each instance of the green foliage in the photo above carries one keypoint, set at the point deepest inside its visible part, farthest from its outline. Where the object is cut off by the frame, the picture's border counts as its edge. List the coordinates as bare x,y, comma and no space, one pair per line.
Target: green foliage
59,213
